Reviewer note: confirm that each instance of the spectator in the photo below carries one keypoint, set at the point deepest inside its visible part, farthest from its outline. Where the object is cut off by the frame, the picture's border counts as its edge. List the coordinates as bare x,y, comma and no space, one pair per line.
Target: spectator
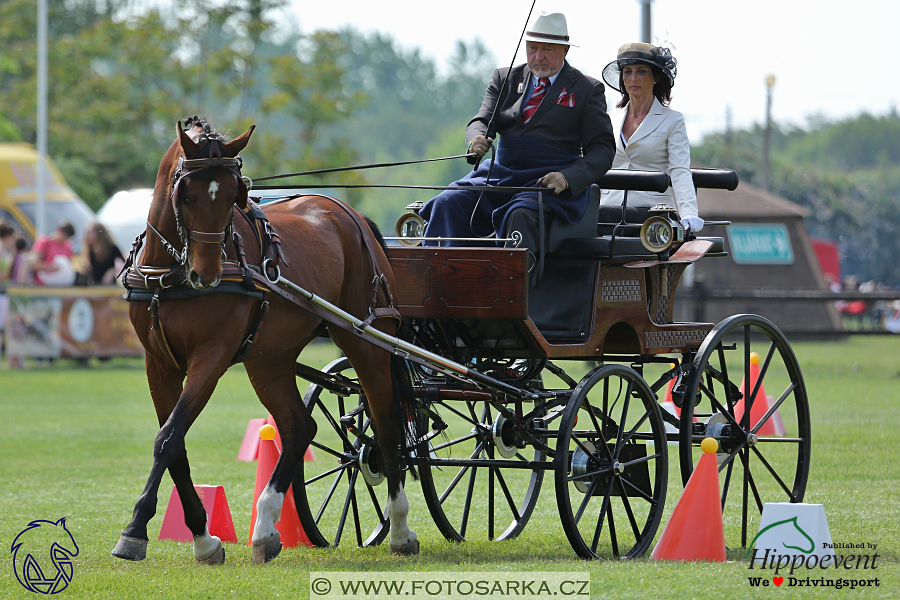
104,260
52,257
7,250
20,270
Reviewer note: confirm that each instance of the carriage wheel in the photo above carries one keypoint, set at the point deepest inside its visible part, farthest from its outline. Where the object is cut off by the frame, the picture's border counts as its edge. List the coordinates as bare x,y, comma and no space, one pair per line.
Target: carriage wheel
764,452
345,496
473,501
611,465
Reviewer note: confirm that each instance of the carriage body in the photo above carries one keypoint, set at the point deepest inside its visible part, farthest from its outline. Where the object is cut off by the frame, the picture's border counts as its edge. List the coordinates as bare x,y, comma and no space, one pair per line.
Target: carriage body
606,438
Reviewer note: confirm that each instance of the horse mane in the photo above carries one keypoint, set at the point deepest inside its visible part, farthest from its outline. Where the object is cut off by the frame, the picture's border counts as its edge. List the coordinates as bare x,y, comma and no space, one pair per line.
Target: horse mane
205,125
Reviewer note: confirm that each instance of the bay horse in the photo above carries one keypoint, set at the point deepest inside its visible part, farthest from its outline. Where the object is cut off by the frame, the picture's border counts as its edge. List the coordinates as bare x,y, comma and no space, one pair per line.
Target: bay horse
191,334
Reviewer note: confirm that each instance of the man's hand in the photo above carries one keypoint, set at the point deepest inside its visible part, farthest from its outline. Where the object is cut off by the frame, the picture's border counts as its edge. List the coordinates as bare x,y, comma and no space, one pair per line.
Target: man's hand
555,180
480,145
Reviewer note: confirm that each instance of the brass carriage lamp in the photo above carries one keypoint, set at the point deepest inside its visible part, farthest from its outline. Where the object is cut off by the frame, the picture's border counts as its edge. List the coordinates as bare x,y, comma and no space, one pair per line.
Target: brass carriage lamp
661,230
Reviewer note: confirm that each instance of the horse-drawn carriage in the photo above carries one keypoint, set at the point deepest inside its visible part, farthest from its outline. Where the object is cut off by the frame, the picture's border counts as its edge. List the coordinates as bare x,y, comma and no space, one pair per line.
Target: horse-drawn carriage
484,343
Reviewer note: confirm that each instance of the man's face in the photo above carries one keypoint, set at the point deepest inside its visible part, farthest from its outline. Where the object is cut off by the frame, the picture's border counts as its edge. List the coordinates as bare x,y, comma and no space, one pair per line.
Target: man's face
544,59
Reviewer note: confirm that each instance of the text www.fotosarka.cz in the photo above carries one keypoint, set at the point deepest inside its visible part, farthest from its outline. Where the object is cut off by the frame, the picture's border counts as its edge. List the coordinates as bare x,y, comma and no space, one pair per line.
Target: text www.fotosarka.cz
448,585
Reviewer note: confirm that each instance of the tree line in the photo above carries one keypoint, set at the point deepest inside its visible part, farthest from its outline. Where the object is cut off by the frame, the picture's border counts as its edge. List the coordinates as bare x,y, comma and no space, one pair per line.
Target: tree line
846,173
120,78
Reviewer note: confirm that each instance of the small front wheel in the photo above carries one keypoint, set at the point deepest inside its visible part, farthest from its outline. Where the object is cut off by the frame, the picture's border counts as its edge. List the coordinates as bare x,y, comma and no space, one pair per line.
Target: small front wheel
611,465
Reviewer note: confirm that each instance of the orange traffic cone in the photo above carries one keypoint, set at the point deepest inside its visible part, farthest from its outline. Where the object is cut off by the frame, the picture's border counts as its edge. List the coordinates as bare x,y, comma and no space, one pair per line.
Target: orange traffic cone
695,530
292,534
309,451
773,426
250,444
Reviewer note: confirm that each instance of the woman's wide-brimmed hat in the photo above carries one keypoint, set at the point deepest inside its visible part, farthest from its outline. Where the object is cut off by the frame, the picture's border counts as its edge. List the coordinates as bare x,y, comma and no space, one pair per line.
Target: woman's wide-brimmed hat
640,53
549,28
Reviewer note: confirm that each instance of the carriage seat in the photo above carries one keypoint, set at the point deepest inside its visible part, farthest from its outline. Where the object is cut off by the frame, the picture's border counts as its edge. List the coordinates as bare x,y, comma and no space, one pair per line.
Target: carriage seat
581,240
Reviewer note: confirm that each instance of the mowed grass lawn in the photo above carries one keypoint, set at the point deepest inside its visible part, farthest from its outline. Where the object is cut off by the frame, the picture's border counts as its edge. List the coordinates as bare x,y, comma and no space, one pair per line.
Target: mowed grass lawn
77,442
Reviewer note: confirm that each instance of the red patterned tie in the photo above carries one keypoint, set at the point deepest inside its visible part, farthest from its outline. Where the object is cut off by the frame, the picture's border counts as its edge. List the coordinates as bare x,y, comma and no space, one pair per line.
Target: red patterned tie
535,99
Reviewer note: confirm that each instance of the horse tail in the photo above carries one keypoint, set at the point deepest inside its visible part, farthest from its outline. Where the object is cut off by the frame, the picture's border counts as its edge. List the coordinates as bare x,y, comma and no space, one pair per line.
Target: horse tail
406,406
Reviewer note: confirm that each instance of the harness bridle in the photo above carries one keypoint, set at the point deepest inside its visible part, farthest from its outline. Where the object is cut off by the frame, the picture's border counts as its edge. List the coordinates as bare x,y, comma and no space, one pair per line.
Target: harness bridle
186,168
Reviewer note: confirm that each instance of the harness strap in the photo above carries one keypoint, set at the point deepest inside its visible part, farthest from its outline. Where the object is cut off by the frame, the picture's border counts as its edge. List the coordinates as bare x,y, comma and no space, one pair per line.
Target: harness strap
158,332
374,311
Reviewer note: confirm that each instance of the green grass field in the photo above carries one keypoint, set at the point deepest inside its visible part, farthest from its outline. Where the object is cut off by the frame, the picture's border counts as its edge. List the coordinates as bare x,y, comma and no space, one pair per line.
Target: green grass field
76,443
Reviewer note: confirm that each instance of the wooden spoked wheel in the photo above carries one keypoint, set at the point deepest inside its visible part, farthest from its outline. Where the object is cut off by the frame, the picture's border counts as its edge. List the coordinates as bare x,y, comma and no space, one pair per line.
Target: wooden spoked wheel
763,452
611,465
490,488
342,498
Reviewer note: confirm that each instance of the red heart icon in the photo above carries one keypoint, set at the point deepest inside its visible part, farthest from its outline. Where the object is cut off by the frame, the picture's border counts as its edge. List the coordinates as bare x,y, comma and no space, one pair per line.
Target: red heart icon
777,580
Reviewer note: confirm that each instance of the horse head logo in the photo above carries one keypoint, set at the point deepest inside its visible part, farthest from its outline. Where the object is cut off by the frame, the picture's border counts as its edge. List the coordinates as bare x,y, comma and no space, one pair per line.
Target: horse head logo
790,532
36,548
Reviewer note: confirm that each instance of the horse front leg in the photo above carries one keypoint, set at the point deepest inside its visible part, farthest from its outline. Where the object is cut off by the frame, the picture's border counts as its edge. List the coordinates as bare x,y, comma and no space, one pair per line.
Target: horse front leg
169,453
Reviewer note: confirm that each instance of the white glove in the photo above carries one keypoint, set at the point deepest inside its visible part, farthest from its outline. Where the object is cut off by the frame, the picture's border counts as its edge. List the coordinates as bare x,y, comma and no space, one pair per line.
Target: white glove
695,224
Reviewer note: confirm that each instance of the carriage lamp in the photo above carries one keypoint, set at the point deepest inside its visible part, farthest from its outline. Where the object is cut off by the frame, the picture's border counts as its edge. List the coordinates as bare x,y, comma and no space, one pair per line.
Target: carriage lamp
659,232
410,228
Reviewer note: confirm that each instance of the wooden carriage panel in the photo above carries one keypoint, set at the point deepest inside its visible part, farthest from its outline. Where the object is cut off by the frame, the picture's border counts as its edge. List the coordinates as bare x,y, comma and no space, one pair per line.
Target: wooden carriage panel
460,283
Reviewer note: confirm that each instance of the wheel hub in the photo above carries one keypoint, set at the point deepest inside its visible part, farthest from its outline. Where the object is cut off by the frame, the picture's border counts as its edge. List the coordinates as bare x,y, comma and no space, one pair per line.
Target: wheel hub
369,465
582,463
506,448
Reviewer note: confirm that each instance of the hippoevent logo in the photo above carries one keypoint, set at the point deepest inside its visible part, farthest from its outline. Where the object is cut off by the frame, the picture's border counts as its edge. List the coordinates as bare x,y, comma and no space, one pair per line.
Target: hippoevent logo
42,556
811,567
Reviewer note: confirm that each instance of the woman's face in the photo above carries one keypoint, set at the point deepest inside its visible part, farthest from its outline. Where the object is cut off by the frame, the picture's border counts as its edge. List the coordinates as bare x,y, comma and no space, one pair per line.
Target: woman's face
638,80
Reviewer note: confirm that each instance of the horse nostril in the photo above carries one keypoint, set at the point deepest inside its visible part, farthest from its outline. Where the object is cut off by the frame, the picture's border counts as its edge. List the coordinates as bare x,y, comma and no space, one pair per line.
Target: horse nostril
195,279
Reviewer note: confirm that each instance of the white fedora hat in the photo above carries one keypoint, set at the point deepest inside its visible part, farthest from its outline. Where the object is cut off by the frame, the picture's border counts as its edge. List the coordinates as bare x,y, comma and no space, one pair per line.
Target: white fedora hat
549,28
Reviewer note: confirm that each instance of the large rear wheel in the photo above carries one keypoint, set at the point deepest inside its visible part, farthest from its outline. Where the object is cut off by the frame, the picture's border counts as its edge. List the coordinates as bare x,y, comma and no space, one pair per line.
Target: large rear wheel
763,452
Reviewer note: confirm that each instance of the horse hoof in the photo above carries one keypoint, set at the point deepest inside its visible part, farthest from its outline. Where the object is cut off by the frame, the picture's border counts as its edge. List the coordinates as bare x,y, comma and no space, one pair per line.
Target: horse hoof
216,557
265,550
130,548
411,547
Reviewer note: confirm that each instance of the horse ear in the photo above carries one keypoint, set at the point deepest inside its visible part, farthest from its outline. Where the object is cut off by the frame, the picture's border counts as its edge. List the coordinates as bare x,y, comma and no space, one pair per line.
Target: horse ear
187,144
234,147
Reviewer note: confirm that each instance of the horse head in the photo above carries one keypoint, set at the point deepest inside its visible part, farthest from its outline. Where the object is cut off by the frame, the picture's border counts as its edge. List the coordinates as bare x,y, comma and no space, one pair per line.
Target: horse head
205,185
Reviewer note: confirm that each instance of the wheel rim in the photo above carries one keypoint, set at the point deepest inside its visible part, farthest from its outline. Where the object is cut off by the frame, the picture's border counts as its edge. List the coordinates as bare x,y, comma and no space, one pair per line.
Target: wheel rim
335,504
475,501
764,452
611,465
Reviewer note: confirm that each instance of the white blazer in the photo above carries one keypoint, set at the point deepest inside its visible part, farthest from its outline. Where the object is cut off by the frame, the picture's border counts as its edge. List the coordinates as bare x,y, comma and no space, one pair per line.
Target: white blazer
659,144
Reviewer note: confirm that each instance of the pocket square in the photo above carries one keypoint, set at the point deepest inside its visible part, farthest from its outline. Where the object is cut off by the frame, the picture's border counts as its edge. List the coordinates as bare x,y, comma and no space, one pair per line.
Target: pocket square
566,99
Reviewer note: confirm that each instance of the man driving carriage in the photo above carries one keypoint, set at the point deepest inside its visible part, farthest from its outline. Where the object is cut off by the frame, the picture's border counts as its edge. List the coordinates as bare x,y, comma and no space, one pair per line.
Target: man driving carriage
555,133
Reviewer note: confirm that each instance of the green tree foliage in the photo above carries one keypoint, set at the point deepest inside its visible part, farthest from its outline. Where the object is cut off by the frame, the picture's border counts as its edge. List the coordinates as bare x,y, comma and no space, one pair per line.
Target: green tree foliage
847,173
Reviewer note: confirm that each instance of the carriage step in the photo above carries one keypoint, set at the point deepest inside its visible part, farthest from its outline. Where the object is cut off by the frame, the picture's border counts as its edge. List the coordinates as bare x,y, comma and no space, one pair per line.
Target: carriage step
349,419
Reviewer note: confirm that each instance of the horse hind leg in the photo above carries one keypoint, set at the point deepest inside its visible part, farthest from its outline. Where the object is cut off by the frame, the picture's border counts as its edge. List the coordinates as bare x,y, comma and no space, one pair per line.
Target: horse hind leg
385,379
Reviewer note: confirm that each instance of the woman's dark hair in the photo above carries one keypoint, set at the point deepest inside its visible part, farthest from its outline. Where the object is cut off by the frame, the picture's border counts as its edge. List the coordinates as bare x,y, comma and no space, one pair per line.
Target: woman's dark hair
662,89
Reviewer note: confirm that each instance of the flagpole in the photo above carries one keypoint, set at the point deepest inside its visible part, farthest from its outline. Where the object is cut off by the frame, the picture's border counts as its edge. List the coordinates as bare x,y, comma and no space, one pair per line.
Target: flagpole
40,217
